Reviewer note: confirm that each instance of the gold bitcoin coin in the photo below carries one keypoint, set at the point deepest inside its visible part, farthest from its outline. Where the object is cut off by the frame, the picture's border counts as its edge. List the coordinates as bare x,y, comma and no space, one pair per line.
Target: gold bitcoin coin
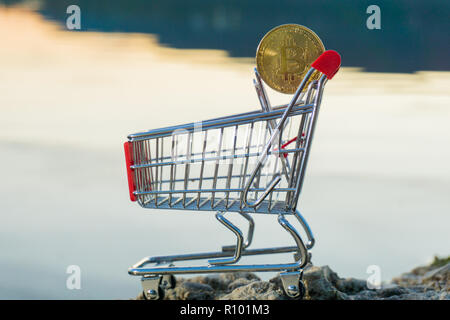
285,54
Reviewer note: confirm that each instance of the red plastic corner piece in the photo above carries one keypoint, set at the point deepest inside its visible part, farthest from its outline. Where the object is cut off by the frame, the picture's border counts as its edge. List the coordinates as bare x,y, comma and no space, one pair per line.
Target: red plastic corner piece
129,162
328,63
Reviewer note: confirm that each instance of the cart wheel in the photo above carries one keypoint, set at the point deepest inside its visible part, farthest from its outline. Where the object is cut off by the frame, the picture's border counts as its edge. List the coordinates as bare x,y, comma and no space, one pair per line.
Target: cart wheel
168,282
296,293
160,295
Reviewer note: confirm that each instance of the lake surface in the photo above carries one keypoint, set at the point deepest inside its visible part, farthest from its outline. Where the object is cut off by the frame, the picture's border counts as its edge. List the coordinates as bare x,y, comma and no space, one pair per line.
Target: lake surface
376,191
411,38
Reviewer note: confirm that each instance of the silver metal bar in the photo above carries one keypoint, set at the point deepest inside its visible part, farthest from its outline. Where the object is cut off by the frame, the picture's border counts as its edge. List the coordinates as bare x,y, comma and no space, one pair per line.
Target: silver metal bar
137,172
219,177
188,161
275,170
258,176
205,202
222,157
216,169
172,168
244,173
239,239
213,190
230,165
208,255
205,205
303,256
305,225
262,95
251,229
177,201
162,153
205,139
215,269
156,171
143,158
150,170
166,199
194,199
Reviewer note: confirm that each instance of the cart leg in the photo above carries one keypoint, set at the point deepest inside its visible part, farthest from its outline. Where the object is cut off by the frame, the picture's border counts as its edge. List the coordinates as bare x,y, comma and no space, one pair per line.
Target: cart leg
239,244
305,225
292,281
302,255
251,229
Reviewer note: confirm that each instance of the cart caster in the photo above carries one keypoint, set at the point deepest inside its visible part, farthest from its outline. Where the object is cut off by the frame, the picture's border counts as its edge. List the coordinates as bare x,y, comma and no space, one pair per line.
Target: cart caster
293,286
152,288
151,295
296,292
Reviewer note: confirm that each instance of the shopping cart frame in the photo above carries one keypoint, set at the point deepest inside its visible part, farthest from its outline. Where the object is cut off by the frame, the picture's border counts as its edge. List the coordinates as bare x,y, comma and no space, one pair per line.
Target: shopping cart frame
157,278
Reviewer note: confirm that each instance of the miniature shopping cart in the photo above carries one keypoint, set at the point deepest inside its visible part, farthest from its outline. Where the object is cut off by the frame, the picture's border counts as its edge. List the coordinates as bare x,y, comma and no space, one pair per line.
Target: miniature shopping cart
247,163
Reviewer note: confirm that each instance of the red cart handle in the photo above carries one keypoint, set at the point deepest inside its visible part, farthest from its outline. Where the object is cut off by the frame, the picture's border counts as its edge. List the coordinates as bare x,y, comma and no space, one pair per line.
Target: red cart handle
129,162
328,63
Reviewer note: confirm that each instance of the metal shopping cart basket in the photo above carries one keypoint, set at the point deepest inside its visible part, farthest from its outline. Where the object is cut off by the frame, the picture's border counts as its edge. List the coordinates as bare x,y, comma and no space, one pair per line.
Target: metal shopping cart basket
246,163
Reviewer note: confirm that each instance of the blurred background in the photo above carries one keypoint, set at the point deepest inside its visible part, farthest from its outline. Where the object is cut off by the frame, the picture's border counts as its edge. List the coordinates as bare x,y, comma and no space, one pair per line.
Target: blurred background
377,185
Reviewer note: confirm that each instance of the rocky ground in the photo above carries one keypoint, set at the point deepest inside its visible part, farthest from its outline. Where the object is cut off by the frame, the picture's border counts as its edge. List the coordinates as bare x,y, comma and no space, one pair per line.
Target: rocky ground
430,282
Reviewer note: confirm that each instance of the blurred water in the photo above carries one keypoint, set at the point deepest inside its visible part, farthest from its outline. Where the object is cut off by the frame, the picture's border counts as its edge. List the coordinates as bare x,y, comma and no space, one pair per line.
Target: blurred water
411,37
376,190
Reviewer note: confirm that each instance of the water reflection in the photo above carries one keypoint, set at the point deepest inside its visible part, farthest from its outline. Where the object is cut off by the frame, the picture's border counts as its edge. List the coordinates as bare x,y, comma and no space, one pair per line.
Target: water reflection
376,190
411,38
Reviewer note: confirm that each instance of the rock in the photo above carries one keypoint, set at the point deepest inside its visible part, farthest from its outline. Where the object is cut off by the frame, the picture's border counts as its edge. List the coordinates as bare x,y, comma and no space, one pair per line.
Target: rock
238,283
255,290
320,284
436,277
188,290
430,282
439,274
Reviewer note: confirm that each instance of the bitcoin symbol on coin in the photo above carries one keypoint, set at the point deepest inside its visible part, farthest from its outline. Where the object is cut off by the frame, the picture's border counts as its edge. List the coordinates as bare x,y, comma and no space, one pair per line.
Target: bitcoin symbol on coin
285,54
